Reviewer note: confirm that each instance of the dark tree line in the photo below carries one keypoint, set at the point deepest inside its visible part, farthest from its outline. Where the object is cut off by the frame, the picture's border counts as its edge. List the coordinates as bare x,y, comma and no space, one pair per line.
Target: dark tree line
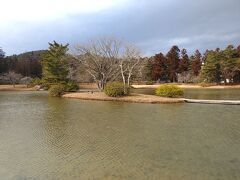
26,64
176,62
214,66
2,54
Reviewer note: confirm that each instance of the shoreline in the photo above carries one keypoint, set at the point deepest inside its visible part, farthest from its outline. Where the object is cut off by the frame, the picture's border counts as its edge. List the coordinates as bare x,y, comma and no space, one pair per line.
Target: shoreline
16,88
133,98
92,86
189,86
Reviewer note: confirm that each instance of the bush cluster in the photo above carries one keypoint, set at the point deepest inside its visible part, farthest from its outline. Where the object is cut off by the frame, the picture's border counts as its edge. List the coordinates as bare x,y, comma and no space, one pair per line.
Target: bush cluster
116,89
71,86
168,90
36,81
57,90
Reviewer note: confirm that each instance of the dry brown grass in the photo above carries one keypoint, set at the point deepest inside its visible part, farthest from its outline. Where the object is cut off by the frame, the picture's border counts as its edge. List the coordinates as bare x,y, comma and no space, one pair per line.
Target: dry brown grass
16,88
135,98
88,86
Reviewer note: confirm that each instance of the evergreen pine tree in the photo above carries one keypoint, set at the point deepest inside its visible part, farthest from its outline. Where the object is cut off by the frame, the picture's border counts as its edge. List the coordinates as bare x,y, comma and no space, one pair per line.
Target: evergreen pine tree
211,71
55,68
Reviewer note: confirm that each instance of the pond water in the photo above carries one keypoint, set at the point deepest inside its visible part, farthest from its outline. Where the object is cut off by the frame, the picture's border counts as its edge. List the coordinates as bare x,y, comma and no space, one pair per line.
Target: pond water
55,138
215,94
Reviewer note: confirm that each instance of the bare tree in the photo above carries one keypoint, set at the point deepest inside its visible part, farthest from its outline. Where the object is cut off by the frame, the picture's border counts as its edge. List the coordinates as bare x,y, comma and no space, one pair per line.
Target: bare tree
129,63
107,59
100,59
13,77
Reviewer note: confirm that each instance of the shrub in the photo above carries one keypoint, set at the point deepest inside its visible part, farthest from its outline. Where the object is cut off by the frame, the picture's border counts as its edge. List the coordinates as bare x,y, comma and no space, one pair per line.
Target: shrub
36,81
116,89
26,80
47,85
71,86
168,90
57,90
42,83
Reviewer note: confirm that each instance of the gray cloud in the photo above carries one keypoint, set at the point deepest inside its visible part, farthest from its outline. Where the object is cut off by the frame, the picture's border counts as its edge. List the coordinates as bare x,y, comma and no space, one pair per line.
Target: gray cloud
154,25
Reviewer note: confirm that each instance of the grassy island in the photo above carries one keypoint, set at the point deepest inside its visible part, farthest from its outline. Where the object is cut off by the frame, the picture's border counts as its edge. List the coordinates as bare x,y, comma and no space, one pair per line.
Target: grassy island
134,98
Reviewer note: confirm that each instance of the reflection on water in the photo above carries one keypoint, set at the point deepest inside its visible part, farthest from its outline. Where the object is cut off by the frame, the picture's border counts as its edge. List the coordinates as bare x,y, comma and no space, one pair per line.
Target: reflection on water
216,94
54,138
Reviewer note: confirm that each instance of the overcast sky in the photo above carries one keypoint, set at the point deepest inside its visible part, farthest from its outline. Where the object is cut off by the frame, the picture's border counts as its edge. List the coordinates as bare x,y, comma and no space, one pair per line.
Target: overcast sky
153,25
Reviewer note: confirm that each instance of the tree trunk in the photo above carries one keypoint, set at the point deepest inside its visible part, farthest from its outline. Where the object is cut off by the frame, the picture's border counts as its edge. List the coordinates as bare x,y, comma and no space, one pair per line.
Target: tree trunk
101,84
128,81
123,78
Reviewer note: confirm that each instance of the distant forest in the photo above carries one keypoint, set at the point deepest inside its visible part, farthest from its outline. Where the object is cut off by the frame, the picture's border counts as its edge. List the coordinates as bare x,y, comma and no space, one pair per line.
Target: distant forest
213,66
27,64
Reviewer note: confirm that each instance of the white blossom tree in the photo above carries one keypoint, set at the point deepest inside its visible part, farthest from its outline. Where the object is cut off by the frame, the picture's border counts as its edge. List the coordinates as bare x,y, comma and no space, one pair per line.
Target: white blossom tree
13,77
26,81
